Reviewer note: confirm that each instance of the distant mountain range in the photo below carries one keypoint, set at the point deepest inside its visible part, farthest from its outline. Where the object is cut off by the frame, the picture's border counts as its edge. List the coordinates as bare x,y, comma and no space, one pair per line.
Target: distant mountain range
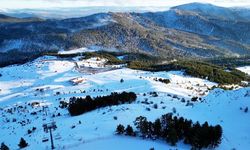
190,30
76,12
9,19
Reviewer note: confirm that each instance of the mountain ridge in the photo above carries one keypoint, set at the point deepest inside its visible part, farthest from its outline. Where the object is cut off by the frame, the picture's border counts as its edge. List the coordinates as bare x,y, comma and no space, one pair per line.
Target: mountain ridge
176,33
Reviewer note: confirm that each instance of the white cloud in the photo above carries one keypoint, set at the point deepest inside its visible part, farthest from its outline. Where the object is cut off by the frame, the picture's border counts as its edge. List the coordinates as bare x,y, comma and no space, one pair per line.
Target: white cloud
18,4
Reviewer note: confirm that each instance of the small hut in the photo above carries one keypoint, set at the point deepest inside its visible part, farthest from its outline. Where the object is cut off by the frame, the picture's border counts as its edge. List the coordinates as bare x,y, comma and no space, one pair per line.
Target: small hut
78,80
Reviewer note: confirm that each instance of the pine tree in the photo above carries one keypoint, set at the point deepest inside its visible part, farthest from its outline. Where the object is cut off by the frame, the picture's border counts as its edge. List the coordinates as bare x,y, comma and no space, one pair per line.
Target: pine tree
157,128
120,129
196,135
173,129
205,135
246,110
129,131
88,98
172,137
150,131
217,132
22,143
141,123
4,147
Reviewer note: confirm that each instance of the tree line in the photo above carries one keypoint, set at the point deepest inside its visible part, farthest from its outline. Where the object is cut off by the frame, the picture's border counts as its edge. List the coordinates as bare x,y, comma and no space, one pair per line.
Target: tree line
198,69
78,106
174,129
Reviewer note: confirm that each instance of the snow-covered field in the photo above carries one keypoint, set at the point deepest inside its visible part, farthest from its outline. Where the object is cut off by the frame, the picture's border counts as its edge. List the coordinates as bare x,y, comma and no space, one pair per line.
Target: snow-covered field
93,62
45,82
245,69
79,50
87,49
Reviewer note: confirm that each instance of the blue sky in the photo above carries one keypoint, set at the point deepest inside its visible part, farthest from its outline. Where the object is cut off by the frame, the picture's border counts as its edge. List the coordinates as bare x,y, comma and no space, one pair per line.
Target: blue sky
33,4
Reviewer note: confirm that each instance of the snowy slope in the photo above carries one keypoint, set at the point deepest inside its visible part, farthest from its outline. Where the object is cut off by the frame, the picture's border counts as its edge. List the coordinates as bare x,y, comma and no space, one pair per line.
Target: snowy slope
245,69
87,49
75,51
43,79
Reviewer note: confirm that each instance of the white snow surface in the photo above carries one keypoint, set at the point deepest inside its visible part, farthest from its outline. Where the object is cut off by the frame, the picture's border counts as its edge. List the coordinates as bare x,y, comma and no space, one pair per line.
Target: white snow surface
42,79
94,62
79,50
87,49
245,69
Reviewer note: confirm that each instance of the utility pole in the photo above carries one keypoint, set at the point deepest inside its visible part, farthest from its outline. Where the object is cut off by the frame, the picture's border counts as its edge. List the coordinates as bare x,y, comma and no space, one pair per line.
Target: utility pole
45,109
48,128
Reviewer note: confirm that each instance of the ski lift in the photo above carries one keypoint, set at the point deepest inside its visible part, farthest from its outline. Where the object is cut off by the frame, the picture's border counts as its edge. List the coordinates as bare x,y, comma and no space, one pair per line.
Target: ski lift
45,139
57,136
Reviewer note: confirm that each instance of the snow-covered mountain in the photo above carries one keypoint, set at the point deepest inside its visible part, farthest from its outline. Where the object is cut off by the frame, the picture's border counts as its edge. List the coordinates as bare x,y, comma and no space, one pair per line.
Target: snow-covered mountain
75,12
183,31
206,19
209,10
26,90
73,75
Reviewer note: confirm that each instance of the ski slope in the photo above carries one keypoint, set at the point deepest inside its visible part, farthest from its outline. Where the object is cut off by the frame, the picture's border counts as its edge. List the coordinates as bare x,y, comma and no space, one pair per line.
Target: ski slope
27,88
245,69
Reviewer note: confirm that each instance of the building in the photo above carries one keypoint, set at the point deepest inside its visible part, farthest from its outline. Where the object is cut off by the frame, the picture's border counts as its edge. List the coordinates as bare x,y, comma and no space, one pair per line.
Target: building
78,80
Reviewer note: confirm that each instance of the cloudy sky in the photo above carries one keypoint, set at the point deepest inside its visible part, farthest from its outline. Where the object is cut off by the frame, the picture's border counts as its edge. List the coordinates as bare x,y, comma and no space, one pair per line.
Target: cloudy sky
34,4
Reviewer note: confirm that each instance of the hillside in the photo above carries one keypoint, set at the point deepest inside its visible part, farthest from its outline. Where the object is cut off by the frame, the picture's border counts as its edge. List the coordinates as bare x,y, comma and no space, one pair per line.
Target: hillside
183,31
205,19
32,94
212,11
177,79
8,19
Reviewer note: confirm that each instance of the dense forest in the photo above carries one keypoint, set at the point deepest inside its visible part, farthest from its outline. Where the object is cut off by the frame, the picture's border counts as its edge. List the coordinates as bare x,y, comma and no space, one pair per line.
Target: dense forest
212,72
198,69
174,129
78,106
11,58
230,62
